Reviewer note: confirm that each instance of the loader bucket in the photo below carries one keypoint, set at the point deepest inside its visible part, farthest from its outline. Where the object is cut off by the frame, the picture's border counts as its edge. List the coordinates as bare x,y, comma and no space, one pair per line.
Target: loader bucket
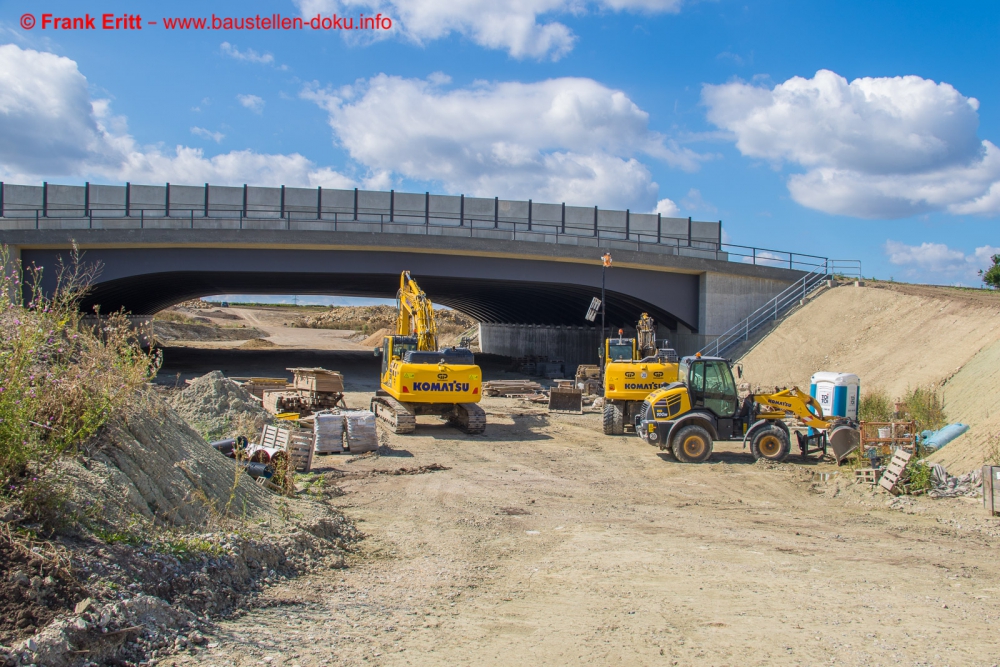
566,400
844,439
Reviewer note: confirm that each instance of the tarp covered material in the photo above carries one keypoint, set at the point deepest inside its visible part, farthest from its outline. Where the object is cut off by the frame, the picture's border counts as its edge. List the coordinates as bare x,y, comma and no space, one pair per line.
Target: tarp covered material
941,437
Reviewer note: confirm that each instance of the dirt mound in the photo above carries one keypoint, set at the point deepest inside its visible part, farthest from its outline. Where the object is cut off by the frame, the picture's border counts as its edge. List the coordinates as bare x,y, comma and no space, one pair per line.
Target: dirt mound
171,331
376,338
216,407
897,337
154,465
257,344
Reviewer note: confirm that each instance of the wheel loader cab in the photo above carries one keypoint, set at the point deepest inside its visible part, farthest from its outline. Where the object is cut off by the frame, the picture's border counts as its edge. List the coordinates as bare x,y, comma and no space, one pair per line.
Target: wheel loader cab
710,385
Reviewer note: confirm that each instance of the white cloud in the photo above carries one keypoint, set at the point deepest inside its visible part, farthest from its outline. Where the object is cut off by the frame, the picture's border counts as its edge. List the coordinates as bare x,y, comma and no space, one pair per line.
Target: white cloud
514,26
249,55
50,127
693,201
569,139
872,148
217,137
252,102
937,263
667,208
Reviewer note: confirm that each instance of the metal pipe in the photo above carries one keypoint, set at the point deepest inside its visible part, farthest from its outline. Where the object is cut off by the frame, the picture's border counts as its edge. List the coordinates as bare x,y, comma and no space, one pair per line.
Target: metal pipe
355,204
45,200
595,235
206,198
529,215
319,204
564,217
166,202
282,201
461,211
427,210
86,197
392,205
128,200
496,212
244,212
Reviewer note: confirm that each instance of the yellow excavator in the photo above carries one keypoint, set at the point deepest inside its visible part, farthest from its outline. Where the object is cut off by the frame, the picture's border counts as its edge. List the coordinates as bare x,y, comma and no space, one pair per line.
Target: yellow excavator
634,367
703,406
419,379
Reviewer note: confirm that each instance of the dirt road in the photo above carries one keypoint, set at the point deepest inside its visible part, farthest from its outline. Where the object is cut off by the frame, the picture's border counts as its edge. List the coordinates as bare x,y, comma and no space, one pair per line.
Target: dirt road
547,543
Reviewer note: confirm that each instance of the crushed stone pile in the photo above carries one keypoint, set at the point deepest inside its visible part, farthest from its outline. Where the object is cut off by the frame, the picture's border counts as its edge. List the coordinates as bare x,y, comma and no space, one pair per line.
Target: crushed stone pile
215,407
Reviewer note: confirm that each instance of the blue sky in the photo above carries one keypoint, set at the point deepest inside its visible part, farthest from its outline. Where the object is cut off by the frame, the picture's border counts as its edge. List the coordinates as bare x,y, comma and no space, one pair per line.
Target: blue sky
850,129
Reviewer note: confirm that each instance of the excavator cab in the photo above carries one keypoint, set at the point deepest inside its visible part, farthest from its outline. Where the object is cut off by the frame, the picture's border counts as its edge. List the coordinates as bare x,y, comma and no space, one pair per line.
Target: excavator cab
619,349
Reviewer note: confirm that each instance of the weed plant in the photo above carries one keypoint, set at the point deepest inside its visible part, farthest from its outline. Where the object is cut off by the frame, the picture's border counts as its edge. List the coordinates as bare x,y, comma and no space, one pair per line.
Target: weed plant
62,378
875,406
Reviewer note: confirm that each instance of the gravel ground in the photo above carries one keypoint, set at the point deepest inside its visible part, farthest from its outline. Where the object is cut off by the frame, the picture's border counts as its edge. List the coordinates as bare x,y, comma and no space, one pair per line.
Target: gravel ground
545,542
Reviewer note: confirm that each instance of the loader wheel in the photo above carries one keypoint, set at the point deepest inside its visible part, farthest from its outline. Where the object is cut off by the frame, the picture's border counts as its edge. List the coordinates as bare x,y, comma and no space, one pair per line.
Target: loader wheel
770,443
614,419
692,444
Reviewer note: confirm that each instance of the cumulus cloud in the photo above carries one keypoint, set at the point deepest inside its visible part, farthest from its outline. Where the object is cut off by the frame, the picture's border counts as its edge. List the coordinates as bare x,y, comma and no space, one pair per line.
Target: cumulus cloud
217,137
49,127
569,139
252,102
514,26
249,55
667,208
937,263
871,148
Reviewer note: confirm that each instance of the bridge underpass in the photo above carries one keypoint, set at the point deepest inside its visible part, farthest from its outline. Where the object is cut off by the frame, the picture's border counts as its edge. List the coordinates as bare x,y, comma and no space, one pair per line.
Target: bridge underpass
526,280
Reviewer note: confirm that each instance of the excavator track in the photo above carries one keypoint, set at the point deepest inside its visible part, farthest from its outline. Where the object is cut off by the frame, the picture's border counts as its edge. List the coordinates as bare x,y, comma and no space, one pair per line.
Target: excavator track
470,418
394,415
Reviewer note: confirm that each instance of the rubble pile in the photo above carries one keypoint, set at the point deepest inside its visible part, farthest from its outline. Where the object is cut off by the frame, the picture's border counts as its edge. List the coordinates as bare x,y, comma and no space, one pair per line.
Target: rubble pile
369,319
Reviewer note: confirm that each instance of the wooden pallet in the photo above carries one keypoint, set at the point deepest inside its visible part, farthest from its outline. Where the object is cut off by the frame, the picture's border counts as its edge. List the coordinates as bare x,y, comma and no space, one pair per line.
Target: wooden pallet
298,443
868,475
892,473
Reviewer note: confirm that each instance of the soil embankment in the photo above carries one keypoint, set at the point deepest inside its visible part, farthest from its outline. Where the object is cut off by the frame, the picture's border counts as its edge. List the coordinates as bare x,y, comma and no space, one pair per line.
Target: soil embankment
897,337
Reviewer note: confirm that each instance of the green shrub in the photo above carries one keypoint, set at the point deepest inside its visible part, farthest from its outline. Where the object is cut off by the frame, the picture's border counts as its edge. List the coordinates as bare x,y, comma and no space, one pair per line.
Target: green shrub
925,407
875,406
61,378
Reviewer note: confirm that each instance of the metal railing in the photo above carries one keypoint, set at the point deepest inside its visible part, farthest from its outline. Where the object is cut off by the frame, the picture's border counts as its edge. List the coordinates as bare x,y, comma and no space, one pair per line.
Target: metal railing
406,222
780,305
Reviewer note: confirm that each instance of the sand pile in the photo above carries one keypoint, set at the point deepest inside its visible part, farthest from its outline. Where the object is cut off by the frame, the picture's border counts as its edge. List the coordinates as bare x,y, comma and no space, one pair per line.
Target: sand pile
217,407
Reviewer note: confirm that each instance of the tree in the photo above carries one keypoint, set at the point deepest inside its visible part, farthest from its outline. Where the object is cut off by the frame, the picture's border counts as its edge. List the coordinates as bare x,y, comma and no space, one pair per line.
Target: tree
991,276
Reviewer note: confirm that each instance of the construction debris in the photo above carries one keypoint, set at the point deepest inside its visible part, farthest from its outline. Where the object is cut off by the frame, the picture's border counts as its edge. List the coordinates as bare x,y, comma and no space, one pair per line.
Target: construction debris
944,485
517,388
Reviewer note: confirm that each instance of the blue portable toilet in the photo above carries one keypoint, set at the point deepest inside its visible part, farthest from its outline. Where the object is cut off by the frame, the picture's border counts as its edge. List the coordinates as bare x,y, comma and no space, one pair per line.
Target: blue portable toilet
837,393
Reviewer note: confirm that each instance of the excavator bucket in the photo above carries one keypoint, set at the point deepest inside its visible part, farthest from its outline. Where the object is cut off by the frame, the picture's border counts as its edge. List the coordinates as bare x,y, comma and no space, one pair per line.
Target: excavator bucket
566,399
844,439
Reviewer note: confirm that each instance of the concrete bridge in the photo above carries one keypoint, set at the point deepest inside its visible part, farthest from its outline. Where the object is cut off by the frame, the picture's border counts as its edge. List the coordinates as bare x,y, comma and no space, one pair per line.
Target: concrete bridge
526,270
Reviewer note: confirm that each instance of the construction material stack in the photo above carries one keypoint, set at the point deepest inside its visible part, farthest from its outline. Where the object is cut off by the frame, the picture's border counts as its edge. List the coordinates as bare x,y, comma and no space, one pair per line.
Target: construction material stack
417,378
311,390
361,434
328,433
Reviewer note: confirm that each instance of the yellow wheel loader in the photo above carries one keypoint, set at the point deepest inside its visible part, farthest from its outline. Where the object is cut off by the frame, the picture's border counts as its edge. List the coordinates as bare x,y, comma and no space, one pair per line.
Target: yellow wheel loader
686,417
419,379
633,369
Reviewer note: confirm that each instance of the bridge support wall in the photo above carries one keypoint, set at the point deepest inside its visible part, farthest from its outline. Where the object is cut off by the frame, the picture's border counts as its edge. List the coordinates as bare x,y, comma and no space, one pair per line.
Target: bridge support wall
574,345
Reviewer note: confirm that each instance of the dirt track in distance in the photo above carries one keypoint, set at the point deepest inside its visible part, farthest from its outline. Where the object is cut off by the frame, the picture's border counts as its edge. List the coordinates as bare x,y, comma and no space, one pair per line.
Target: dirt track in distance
548,543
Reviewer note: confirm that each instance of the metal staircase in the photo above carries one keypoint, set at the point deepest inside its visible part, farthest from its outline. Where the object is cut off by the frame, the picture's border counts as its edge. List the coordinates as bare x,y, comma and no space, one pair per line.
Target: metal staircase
764,318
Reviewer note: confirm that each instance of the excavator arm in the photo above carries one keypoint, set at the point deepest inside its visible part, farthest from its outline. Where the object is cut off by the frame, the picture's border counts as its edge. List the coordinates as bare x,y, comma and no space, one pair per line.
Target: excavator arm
792,401
415,314
646,330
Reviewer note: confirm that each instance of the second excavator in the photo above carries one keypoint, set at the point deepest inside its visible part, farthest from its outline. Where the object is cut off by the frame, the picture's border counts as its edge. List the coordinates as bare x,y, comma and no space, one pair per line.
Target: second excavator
417,378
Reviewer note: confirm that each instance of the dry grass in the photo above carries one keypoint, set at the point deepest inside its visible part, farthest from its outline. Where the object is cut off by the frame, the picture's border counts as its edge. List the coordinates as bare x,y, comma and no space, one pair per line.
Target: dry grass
61,378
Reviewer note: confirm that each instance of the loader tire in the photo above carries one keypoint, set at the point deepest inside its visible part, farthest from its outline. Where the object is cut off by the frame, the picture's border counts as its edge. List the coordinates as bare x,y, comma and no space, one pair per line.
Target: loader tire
770,443
692,444
614,419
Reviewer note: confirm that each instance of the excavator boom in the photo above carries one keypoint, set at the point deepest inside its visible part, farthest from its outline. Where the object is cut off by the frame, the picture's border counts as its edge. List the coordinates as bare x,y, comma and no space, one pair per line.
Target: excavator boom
795,402
415,314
